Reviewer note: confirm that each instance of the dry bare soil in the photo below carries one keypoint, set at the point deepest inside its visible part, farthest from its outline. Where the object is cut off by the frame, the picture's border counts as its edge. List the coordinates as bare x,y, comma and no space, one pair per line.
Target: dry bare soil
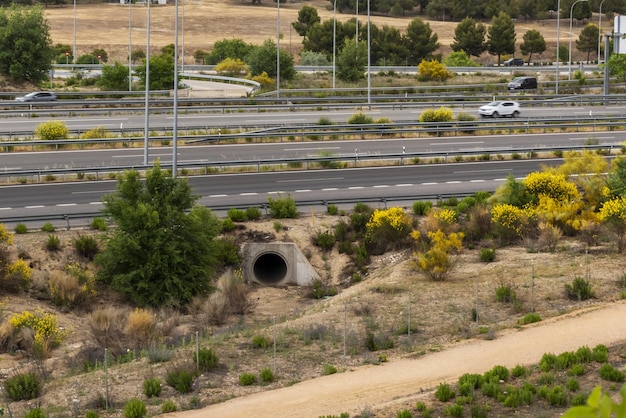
106,26
311,333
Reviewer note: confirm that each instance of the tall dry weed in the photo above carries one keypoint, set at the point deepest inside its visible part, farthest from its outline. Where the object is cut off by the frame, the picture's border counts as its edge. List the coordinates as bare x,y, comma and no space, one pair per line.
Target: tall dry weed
235,290
140,327
107,327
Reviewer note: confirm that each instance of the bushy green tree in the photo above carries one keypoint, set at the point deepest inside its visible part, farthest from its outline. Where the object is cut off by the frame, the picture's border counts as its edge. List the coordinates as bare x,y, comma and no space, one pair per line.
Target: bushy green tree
588,39
25,47
114,77
459,59
420,40
263,59
351,61
534,42
162,252
228,48
307,16
161,72
469,36
501,36
313,58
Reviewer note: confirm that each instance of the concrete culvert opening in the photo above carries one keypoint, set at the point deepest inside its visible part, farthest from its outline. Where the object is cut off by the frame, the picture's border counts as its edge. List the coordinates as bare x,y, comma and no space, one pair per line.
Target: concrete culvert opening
270,268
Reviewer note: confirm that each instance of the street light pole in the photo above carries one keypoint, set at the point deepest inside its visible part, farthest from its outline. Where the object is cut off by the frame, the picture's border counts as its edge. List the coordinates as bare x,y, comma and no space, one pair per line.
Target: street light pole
571,19
599,29
558,45
74,56
277,48
334,38
369,72
130,48
147,105
175,121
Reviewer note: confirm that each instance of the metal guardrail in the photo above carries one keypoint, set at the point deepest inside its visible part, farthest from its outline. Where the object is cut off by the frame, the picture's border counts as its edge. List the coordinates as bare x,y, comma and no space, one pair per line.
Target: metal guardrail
306,162
337,130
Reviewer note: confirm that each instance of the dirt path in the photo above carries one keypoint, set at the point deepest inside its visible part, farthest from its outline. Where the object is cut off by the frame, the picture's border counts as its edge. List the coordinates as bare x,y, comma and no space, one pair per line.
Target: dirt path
403,379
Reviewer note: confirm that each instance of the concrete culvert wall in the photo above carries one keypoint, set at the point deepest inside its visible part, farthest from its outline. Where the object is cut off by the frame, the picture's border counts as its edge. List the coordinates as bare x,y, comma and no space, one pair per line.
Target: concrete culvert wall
276,263
270,268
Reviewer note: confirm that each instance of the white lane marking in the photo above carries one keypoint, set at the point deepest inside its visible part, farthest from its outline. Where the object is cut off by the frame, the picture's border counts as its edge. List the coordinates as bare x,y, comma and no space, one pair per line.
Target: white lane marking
248,194
6,208
303,191
218,195
310,149
499,179
65,204
476,181
479,171
404,185
355,188
94,191
428,184
453,182
307,180
33,207
454,143
96,203
380,186
330,189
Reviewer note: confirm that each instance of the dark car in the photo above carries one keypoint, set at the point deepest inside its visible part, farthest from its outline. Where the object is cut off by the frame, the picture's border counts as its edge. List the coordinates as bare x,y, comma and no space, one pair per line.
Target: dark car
523,83
514,62
37,96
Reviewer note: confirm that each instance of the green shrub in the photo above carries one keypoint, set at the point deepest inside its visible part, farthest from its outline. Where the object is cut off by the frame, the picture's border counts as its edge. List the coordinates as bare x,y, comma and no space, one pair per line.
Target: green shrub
557,396
328,369
266,375
207,359
87,246
332,209
487,255
135,408
247,379
516,397
23,386
491,388
91,414
152,387
405,413
237,215
228,225
278,226
53,243
51,130
421,207
519,371
547,362
584,354
454,410
282,207
580,289
444,392
48,227
610,373
21,228
530,318
98,224
95,133
505,293
499,372
573,385
443,114
547,378
479,411
325,240
168,406
180,379
576,370
360,119
35,413
260,341
600,354
253,213
472,379
579,399
565,360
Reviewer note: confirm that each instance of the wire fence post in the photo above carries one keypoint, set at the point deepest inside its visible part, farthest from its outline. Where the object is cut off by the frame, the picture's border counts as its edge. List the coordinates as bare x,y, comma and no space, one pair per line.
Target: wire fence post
197,352
532,287
345,326
408,332
274,344
476,308
106,380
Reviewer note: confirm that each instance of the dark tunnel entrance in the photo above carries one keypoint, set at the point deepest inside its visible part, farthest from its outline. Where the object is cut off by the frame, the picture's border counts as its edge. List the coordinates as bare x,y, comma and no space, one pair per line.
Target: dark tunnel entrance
270,268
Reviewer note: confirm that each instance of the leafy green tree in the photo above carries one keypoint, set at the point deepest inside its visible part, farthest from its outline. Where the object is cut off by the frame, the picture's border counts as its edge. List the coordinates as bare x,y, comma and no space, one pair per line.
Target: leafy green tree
313,58
387,47
114,77
161,72
617,66
529,9
25,47
320,38
420,41
162,252
616,181
599,405
501,36
440,9
229,48
263,59
469,36
351,61
101,53
137,55
533,43
168,49
588,39
87,59
307,16
459,59
582,10
59,51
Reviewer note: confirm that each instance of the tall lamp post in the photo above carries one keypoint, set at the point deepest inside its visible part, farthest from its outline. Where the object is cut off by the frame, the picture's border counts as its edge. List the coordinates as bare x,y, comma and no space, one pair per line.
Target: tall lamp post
175,124
558,44
599,30
571,19
277,48
74,56
147,104
130,48
334,38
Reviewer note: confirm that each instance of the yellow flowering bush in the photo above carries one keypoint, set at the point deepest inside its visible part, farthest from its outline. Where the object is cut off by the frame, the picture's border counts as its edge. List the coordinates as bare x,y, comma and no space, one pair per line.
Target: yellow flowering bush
6,238
47,333
445,216
563,214
387,228
433,70
613,214
95,133
551,184
17,276
51,130
264,80
232,67
509,221
443,114
437,262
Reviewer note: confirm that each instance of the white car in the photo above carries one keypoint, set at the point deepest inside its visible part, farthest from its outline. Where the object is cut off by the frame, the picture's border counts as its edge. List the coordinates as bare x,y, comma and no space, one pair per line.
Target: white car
500,108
